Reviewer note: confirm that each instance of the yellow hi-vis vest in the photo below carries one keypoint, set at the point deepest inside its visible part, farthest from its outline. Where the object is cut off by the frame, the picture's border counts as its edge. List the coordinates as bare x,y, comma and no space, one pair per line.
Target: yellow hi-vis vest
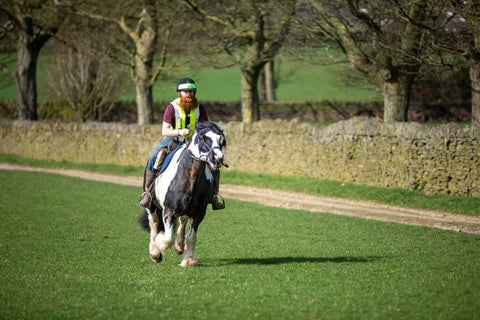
181,117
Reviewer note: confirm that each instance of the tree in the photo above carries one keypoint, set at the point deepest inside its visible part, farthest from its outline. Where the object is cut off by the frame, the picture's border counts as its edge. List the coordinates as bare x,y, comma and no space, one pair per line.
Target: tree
380,42
153,19
268,82
251,32
87,81
33,23
458,34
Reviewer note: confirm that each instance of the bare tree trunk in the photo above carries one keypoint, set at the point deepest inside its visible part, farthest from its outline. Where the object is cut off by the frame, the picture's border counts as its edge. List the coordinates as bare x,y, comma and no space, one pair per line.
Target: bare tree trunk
144,37
267,83
30,24
250,98
26,78
144,99
262,91
396,98
143,81
475,83
269,73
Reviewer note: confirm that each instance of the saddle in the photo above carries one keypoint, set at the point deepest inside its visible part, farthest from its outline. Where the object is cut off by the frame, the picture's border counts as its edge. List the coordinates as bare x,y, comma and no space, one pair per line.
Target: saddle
172,149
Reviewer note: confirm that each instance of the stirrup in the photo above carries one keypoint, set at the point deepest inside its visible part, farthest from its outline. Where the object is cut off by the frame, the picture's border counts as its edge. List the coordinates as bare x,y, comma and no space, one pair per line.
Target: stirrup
217,205
142,202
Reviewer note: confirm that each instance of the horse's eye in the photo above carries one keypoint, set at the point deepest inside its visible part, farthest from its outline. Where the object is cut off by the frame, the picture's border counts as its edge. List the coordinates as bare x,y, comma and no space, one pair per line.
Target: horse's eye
206,143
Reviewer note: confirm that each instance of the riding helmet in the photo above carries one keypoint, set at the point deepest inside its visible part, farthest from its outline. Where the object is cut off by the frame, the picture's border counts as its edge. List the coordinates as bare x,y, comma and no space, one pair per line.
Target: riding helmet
186,84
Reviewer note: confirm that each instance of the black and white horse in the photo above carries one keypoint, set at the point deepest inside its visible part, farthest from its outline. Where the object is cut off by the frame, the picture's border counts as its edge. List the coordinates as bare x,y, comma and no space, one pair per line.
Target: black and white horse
183,191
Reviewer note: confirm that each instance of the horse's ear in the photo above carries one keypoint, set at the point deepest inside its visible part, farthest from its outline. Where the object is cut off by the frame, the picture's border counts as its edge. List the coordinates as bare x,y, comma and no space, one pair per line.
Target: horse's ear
201,125
208,124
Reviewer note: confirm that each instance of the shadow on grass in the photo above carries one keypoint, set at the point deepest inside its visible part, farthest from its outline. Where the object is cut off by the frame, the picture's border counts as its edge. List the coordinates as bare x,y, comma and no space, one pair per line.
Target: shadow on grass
285,260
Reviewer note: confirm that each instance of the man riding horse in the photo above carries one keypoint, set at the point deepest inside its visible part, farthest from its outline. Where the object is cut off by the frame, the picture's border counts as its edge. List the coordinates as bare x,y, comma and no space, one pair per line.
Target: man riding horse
183,190
180,115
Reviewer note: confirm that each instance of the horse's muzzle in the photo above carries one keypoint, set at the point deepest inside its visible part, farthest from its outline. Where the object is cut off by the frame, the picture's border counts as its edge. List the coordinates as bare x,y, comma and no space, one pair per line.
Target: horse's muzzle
216,159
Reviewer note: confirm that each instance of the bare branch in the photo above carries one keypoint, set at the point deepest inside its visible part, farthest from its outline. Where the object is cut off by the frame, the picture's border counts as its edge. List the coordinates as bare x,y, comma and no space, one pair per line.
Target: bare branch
205,14
163,56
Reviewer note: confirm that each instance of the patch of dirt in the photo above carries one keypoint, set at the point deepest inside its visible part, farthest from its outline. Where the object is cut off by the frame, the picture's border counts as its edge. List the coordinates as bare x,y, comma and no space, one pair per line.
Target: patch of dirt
293,200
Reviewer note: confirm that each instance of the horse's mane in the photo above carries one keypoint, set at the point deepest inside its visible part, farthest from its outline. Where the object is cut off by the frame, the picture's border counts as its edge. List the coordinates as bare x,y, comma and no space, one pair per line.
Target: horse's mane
211,125
217,129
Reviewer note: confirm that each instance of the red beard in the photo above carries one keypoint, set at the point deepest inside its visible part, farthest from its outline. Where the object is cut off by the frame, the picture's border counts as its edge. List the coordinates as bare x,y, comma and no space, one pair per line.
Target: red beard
188,103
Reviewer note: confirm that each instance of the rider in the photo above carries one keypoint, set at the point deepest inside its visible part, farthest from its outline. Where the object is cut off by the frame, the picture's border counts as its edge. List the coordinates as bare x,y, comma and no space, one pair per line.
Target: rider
180,115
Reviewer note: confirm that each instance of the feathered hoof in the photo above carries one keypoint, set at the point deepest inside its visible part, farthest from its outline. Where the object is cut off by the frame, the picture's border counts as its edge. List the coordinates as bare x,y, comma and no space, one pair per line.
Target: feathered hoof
188,263
156,259
178,250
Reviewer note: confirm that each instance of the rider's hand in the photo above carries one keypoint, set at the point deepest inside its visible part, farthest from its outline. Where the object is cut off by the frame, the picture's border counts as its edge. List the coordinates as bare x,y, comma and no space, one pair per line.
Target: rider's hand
183,132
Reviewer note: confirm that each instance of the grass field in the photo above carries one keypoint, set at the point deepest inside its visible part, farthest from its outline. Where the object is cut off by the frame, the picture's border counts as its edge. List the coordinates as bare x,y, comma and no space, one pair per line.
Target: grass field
314,186
71,249
297,82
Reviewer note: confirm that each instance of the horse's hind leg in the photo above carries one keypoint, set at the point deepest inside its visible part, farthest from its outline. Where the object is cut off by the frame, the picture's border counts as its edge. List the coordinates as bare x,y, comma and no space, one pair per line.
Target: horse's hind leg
180,241
153,221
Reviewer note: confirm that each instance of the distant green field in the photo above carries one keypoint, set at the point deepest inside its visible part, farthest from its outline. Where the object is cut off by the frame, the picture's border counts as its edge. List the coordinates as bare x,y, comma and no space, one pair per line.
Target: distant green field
298,81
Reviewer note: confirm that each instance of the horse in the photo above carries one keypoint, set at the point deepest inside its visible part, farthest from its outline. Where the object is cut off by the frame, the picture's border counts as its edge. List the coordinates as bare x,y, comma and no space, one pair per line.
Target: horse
182,192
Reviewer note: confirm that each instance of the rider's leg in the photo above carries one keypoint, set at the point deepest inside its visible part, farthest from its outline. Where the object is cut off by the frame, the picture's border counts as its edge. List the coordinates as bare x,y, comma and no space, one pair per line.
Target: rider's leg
154,161
216,204
146,197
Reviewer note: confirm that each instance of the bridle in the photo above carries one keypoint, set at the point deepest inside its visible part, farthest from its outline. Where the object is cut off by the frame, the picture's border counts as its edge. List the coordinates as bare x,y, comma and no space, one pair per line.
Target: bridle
200,145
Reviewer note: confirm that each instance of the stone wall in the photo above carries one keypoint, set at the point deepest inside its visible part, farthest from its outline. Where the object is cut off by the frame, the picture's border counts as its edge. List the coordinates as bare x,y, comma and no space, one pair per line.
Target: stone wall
443,159
88,142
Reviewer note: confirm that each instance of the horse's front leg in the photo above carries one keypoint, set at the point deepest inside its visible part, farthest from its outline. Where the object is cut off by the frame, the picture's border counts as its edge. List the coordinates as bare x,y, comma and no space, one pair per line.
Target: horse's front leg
164,240
153,221
188,257
180,241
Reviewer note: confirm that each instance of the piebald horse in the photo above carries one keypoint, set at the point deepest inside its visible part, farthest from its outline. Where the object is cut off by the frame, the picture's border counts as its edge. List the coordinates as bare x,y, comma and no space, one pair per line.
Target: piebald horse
182,193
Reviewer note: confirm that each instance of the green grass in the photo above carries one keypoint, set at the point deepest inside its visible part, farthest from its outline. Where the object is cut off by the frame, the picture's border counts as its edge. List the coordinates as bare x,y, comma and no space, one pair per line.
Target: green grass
71,249
392,196
298,82
94,167
400,197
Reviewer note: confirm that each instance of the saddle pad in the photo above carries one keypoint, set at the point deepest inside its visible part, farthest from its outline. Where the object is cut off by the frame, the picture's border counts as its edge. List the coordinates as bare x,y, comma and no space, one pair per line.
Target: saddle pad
169,157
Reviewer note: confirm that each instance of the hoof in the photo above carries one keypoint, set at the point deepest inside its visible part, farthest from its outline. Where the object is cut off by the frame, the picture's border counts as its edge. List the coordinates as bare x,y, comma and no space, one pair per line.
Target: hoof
157,259
188,263
178,250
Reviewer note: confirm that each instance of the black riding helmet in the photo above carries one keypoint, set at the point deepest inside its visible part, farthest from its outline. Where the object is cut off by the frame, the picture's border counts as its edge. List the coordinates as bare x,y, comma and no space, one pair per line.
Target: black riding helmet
186,84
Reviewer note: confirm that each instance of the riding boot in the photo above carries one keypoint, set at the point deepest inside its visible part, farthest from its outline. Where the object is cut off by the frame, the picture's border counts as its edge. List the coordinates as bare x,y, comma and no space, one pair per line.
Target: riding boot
146,197
216,204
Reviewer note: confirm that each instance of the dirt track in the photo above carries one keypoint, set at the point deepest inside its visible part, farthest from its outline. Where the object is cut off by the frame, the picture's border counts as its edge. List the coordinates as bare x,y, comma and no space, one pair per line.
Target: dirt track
292,200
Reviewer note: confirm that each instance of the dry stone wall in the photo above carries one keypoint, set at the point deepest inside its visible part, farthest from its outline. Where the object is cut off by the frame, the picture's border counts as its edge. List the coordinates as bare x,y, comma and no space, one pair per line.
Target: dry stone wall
443,159
89,142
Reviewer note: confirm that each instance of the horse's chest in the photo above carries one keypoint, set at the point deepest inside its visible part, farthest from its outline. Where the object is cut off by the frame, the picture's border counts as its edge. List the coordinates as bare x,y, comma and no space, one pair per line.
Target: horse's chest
179,190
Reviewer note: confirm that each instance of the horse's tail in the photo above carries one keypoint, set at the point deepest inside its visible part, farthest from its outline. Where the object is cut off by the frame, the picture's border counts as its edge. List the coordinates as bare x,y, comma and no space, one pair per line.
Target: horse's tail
143,220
